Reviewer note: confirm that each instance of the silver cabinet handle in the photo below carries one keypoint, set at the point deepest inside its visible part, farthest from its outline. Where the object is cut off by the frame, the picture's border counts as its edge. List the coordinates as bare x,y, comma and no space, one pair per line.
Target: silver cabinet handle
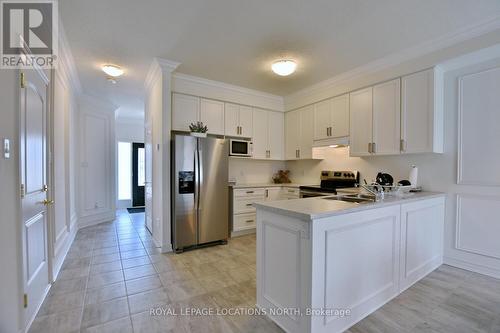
370,147
249,192
373,148
249,205
249,221
402,145
291,191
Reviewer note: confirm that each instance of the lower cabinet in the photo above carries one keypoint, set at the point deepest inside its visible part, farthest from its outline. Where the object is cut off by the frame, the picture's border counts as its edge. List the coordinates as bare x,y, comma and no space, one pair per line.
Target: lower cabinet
242,209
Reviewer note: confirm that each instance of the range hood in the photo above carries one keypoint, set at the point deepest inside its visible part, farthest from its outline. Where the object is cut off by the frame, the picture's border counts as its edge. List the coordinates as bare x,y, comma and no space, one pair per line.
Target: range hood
340,142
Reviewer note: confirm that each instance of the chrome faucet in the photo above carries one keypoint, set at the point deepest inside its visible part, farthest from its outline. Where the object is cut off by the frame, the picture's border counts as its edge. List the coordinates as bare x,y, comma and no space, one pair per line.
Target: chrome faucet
374,189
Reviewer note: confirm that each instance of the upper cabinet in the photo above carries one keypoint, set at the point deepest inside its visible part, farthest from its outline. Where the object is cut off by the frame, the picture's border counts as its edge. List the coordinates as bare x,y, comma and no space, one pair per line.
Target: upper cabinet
187,109
299,128
331,118
422,113
268,134
238,120
375,120
212,115
361,125
386,118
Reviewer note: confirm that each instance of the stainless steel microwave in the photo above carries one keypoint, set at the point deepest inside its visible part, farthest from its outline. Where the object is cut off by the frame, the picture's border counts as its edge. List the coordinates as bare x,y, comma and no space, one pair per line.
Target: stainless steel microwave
240,148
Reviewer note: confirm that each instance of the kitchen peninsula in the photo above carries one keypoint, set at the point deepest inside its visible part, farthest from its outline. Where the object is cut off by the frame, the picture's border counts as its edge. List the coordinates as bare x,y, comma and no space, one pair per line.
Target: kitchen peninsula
343,260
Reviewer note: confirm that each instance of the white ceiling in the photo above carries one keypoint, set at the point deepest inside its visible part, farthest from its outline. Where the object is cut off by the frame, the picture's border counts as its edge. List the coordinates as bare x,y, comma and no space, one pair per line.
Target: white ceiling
235,41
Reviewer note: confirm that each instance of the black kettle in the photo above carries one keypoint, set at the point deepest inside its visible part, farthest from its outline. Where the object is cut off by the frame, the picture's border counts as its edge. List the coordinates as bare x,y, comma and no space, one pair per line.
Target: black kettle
384,179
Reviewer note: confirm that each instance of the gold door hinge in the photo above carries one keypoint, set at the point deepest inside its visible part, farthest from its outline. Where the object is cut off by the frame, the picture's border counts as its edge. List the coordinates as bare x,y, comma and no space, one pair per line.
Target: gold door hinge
23,80
22,191
25,299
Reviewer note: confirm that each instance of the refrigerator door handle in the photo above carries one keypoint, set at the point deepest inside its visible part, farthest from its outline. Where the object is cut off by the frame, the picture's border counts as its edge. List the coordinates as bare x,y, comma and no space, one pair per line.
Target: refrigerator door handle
199,167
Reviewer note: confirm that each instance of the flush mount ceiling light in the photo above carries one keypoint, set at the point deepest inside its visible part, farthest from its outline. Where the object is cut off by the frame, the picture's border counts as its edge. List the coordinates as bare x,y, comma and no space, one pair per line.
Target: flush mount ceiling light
112,70
284,67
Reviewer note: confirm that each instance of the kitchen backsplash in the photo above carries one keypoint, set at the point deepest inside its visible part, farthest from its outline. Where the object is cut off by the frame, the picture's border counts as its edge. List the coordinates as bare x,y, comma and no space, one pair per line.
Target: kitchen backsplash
248,171
308,171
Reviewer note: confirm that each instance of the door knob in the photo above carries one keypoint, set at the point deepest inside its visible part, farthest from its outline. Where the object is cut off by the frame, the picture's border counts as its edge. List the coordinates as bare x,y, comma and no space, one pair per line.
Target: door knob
48,202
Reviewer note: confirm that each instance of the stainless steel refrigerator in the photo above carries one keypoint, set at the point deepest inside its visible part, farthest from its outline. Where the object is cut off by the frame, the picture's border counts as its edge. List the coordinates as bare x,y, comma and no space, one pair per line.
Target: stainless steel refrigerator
200,191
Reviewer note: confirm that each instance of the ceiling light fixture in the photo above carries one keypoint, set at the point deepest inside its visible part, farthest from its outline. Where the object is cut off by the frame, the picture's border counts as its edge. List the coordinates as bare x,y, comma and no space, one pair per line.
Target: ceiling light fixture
284,67
112,70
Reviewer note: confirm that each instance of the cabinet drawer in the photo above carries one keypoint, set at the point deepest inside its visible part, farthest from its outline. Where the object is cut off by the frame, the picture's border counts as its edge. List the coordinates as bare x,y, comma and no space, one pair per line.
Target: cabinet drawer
245,205
291,191
244,221
250,192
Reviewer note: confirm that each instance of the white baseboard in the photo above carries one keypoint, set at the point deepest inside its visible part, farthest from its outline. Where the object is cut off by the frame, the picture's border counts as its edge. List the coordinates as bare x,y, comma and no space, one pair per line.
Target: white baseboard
474,267
62,250
89,221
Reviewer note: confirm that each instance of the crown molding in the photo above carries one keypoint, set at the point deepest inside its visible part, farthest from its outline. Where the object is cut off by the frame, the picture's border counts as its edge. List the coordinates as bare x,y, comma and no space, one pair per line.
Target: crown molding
67,62
158,66
486,26
273,102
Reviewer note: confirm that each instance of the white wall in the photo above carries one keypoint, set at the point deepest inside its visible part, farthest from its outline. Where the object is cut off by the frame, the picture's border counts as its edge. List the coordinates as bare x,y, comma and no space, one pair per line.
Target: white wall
248,171
10,255
96,161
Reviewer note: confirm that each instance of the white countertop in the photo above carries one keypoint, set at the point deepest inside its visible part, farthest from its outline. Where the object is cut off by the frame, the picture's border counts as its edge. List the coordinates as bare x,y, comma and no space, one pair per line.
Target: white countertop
241,185
309,209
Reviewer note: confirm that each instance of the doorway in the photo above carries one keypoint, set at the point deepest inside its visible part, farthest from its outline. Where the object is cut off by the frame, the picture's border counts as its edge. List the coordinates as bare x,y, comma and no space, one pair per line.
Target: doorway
138,174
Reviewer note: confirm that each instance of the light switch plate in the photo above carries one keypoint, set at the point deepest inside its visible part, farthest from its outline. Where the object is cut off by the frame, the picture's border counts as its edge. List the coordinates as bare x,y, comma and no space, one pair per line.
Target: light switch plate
6,148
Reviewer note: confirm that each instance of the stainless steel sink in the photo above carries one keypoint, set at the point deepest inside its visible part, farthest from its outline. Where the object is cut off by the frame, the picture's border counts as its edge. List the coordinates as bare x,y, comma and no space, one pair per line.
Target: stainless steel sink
356,198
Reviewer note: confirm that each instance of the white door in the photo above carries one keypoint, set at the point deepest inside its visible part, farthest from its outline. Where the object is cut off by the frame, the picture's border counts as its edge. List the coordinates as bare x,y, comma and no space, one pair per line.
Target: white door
306,132
417,114
185,110
34,201
260,134
276,135
322,112
360,122
231,119
340,116
246,121
386,118
212,115
292,134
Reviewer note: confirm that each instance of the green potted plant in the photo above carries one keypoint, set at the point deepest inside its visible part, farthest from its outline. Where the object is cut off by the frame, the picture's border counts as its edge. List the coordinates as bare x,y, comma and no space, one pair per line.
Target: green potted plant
198,129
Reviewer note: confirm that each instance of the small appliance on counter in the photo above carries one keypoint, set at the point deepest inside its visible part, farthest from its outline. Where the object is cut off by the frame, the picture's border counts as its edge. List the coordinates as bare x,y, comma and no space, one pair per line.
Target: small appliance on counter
331,181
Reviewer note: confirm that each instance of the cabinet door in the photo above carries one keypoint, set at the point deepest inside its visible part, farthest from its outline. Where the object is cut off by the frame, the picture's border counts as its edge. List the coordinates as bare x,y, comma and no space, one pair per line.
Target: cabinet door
306,126
260,134
273,193
340,116
386,118
276,136
292,134
231,119
322,121
212,115
417,114
360,122
185,110
246,121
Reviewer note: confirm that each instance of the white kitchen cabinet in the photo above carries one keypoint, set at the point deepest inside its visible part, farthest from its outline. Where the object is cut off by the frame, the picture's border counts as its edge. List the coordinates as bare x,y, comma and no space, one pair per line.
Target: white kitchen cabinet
331,118
288,193
273,193
361,122
238,120
212,115
276,130
292,135
422,227
268,135
322,115
422,112
299,127
185,110
386,118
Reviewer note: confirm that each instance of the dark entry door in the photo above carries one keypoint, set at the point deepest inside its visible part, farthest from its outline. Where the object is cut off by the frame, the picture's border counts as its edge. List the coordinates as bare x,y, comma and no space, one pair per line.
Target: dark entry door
138,174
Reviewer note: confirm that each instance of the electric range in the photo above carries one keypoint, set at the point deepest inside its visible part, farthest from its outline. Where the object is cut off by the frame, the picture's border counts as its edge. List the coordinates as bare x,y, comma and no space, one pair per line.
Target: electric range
330,182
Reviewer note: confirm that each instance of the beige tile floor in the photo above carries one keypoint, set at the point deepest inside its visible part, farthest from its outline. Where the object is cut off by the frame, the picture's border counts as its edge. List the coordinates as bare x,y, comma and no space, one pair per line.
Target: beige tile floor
113,275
